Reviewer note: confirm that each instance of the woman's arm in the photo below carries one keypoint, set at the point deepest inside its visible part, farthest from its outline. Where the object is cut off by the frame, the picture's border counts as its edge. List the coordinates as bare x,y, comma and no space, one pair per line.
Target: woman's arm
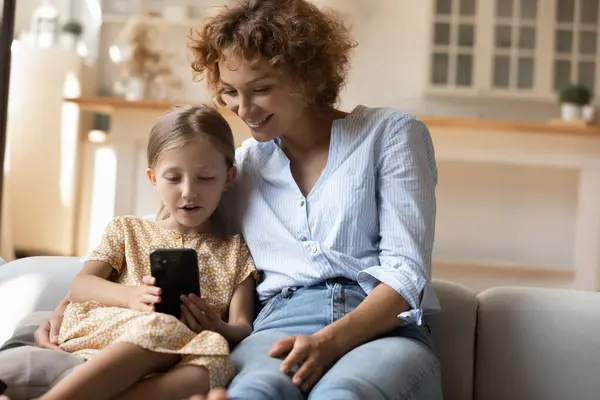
376,315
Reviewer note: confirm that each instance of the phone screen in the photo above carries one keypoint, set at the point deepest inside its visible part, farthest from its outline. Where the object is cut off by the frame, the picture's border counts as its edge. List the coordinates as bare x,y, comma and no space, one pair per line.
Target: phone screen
176,273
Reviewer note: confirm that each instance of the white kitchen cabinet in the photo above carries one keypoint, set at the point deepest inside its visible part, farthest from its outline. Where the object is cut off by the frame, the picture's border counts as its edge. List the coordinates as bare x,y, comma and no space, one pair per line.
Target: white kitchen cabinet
454,47
513,48
575,55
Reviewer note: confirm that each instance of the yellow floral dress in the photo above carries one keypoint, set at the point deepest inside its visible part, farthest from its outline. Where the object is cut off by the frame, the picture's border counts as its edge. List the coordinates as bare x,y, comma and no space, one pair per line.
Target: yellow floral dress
224,263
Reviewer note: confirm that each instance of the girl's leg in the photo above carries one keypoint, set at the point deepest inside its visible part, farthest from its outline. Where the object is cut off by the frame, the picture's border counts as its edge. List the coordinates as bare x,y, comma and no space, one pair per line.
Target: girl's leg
179,383
110,373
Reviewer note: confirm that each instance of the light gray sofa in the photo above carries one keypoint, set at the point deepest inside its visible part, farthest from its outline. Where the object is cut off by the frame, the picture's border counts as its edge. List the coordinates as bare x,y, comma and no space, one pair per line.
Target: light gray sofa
504,343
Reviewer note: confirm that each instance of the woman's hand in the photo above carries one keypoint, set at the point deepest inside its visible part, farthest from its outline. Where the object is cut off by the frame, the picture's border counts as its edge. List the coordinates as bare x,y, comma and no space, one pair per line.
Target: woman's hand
200,316
314,354
143,298
46,336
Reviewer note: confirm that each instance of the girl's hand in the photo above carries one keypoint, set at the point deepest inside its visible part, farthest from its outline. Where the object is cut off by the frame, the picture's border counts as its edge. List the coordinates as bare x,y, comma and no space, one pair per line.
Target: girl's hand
314,354
200,316
143,298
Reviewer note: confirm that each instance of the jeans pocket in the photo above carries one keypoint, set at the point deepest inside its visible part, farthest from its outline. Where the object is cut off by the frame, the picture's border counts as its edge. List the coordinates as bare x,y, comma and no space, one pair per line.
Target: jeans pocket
266,310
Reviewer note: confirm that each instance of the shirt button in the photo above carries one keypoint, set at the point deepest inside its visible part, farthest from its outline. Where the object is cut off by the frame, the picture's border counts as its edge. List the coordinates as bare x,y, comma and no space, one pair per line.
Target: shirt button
313,250
303,238
302,203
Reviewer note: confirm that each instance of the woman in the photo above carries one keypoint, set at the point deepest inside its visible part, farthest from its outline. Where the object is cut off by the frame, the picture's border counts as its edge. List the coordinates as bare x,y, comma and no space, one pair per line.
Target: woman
338,210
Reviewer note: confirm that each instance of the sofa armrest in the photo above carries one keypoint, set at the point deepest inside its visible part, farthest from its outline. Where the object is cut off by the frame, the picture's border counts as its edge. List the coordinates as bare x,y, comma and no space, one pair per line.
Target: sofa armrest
453,332
535,343
32,284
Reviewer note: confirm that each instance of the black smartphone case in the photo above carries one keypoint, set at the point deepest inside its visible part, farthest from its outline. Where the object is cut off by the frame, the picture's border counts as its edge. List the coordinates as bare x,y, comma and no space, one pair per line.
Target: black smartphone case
176,273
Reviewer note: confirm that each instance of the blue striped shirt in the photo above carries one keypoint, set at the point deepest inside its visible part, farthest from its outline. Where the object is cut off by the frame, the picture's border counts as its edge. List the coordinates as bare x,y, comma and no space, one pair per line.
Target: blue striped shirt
370,217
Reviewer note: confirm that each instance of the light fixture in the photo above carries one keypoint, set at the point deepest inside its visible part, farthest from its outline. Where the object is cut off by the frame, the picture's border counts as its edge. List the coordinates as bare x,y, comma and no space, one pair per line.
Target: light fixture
97,136
100,128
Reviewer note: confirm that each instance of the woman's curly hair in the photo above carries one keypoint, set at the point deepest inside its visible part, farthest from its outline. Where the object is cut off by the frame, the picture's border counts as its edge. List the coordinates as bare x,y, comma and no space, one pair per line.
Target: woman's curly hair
310,46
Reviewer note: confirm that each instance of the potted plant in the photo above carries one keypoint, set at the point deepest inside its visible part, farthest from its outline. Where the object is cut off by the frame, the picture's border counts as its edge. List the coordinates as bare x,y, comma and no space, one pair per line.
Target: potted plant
573,99
71,32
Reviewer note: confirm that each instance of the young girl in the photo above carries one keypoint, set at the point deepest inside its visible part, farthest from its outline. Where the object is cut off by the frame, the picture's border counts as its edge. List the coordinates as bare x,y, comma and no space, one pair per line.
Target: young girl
111,319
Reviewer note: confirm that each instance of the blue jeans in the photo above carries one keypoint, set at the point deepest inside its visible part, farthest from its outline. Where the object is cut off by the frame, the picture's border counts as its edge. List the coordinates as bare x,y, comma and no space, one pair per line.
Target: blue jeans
399,365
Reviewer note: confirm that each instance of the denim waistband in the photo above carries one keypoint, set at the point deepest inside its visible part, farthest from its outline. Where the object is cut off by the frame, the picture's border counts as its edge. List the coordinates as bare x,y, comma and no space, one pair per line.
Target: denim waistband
286,292
341,280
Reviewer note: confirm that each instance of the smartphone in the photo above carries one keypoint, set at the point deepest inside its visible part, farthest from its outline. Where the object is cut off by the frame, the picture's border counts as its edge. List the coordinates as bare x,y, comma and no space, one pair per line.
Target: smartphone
176,273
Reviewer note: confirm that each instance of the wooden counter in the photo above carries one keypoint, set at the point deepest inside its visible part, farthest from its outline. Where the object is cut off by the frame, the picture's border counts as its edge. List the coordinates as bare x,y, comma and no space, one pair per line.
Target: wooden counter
108,105
488,125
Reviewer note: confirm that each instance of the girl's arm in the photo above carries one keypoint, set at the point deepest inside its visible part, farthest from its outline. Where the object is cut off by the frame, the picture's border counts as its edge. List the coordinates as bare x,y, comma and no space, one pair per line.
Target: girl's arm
241,313
92,284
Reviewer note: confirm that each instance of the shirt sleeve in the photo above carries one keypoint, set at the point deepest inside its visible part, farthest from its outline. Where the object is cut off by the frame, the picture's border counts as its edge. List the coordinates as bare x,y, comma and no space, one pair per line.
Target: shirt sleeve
111,249
245,264
407,176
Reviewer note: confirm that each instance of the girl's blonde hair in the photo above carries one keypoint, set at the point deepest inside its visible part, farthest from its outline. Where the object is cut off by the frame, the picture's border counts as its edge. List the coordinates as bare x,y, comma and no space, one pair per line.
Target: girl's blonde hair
184,124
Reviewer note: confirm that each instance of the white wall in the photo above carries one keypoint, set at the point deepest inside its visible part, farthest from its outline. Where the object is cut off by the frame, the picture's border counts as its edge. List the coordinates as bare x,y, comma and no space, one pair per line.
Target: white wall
43,149
388,64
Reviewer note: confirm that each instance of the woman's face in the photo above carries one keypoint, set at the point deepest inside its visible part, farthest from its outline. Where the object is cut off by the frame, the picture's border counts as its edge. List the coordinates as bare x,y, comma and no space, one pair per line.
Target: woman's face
261,96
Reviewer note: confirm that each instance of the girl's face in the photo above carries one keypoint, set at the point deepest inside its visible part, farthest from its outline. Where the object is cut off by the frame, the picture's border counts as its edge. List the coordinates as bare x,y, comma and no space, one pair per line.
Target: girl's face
261,96
190,181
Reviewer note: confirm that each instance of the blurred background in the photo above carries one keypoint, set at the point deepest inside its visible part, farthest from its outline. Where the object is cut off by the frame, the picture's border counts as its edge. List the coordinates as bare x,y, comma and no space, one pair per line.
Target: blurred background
507,88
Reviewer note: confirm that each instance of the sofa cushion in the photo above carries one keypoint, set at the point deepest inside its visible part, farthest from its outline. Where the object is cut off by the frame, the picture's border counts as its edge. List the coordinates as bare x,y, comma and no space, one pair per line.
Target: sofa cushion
535,343
30,371
27,371
454,337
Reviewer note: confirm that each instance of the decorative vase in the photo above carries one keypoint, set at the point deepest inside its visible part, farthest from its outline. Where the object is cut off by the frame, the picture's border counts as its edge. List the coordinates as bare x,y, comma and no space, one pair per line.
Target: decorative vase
136,89
69,41
588,113
570,111
44,24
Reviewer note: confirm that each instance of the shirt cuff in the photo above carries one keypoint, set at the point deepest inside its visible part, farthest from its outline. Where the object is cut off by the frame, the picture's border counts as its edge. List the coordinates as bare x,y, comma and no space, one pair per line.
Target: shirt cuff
409,286
414,316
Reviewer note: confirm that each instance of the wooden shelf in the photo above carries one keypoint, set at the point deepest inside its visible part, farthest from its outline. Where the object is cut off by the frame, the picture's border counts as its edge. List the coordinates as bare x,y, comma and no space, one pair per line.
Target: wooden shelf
509,126
110,104
119,19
